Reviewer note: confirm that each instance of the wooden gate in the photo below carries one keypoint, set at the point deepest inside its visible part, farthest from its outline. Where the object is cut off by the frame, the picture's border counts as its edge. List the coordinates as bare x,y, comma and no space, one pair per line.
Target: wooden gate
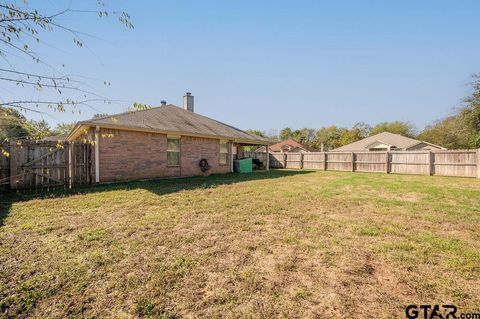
45,165
4,167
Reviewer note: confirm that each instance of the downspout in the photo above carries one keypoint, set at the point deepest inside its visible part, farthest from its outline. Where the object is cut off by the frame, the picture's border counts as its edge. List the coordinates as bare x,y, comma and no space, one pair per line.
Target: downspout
267,164
97,155
231,156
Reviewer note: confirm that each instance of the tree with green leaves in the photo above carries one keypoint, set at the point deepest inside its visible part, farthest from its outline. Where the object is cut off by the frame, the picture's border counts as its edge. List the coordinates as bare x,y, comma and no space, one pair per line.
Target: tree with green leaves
329,137
470,114
305,136
395,127
360,130
449,133
251,148
256,132
462,129
63,128
12,125
285,134
138,107
39,129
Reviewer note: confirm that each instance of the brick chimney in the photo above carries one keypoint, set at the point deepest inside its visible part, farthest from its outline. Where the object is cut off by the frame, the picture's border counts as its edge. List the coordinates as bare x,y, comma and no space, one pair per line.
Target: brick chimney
188,101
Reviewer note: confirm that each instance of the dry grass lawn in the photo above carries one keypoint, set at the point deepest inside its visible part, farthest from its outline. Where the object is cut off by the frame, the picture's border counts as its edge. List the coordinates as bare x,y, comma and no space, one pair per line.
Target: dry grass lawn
292,244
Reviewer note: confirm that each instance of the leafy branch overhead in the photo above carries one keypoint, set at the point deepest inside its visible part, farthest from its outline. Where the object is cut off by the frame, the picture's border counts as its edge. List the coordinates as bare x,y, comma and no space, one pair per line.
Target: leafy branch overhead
22,33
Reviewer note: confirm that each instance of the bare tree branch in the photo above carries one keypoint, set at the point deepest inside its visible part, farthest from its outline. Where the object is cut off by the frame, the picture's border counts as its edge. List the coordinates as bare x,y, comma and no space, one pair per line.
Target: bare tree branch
21,29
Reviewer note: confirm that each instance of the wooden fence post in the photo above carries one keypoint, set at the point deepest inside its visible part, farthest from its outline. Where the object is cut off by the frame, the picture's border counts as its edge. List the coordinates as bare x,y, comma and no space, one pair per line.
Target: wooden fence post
267,152
387,162
430,163
13,166
353,162
70,165
478,163
442,163
97,155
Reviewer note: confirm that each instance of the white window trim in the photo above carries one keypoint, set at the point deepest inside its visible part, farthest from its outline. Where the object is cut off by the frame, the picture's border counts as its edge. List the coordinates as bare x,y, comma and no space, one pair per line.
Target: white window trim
220,152
175,137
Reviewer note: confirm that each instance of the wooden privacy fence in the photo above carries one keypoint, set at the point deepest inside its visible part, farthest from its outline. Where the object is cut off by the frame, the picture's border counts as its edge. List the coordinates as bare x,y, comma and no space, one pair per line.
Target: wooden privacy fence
40,165
465,163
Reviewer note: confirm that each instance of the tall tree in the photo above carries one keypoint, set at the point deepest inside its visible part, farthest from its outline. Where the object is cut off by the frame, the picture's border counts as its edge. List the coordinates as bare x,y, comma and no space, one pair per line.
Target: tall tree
252,148
285,134
329,137
449,133
12,124
257,133
396,127
305,136
462,129
39,129
361,130
63,128
470,114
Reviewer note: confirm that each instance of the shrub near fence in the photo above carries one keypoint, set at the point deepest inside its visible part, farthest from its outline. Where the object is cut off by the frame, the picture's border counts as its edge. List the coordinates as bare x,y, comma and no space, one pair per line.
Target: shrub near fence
464,163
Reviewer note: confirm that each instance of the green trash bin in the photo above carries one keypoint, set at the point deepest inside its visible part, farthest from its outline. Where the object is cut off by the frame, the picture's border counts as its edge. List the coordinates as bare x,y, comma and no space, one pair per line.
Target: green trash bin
244,165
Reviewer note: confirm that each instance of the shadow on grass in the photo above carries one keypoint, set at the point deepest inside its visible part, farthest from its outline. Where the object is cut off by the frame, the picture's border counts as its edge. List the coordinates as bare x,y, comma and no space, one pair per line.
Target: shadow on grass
156,186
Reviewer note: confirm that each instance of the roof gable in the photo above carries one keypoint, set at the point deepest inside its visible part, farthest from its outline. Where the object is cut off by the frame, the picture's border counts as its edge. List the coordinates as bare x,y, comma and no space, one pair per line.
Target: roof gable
289,143
387,138
378,144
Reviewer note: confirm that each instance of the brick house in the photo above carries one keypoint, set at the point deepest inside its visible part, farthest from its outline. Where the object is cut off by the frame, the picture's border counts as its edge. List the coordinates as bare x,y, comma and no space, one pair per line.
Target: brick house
165,141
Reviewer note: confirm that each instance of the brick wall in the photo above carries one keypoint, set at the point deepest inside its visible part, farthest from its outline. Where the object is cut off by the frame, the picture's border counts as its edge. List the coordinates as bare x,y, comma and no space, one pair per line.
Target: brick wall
129,155
193,149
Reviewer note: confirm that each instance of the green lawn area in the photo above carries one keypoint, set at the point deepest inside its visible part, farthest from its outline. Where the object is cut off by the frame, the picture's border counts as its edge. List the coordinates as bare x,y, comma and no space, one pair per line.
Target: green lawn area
278,244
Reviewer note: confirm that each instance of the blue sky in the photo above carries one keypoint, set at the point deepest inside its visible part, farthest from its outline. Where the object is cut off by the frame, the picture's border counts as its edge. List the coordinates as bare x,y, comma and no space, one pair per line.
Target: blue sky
270,64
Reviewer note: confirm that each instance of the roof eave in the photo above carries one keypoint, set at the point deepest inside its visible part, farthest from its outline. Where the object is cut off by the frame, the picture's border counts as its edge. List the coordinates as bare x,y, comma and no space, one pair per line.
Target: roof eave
431,144
377,141
75,132
251,141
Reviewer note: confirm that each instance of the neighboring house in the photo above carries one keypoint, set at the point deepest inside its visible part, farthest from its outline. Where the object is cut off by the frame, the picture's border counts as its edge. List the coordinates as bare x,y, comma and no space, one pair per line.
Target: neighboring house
386,141
287,146
164,141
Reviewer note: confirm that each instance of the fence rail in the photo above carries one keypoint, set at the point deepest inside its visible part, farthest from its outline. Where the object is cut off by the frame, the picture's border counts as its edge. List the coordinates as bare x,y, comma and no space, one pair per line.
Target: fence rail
39,165
465,163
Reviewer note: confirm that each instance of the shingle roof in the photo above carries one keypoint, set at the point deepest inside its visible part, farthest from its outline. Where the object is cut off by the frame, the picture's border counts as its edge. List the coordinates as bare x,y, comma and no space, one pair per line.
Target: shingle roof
396,140
171,118
290,142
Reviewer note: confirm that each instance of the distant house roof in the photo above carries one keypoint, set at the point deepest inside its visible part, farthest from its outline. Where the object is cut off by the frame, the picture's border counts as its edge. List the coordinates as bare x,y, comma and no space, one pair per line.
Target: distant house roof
170,119
384,138
289,145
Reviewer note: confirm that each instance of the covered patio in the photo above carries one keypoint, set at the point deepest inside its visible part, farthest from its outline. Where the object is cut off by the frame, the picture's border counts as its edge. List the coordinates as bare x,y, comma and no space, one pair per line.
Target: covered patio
238,152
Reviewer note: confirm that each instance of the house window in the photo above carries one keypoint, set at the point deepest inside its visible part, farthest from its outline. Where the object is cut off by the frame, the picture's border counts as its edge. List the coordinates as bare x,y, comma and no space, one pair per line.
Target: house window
234,154
173,151
223,152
